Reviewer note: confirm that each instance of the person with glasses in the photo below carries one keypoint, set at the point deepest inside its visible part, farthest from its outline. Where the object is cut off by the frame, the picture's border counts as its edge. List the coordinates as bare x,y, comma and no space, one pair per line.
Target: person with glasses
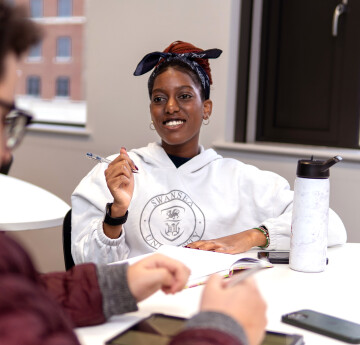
15,124
42,309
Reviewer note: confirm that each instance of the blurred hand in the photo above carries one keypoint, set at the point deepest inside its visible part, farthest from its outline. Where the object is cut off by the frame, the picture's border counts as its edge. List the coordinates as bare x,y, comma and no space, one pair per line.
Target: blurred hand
242,302
233,244
154,273
120,181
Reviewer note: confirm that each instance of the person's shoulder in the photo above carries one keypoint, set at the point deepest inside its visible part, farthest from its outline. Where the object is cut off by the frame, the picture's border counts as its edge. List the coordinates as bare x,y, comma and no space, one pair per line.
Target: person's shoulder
228,162
240,168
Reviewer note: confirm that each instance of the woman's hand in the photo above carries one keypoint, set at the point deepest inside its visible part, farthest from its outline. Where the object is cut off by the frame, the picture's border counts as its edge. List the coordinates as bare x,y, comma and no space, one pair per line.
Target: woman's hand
120,181
233,244
242,302
154,273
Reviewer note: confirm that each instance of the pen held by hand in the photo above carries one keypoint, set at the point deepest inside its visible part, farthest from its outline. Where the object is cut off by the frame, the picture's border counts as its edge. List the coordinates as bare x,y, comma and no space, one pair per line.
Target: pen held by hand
100,159
238,278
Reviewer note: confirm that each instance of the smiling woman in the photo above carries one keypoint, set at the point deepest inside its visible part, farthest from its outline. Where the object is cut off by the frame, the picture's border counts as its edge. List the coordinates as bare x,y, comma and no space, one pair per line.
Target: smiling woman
177,112
182,195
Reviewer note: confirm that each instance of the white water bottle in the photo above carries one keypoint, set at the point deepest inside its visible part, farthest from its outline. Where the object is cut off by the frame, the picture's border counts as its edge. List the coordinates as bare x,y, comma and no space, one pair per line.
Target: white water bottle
310,215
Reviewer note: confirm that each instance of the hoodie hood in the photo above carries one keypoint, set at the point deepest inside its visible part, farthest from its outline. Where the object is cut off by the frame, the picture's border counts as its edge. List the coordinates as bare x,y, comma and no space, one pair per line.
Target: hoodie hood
154,155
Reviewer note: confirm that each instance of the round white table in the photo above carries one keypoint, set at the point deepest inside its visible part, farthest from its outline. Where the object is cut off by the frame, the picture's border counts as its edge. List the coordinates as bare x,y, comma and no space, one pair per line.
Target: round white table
24,206
334,291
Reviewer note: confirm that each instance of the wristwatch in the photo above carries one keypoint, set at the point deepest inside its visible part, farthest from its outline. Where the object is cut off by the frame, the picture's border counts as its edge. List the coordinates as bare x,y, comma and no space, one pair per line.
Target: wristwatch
114,220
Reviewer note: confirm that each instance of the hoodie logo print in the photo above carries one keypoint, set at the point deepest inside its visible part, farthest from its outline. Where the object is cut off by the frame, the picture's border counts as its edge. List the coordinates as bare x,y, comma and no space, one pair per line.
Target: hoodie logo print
173,219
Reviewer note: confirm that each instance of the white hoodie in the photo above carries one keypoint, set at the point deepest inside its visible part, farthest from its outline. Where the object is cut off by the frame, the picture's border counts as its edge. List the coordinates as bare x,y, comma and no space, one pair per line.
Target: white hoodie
207,197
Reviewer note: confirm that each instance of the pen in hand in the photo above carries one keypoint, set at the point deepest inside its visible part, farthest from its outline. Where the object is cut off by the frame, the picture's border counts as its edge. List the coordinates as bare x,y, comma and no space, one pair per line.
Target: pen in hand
236,279
100,159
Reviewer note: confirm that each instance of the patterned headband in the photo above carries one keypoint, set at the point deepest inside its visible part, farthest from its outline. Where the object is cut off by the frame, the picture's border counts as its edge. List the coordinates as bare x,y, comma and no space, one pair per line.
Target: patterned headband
152,60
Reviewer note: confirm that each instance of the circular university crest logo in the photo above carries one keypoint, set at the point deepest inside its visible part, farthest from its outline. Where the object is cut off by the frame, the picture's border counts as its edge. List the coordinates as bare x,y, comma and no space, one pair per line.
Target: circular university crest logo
173,219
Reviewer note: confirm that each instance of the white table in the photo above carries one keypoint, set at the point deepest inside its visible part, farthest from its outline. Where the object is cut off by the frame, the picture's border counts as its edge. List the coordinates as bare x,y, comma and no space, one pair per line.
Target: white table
25,206
334,291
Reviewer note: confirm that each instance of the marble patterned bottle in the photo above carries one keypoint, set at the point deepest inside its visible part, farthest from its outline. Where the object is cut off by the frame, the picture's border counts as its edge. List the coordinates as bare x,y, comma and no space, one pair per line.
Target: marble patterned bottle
310,215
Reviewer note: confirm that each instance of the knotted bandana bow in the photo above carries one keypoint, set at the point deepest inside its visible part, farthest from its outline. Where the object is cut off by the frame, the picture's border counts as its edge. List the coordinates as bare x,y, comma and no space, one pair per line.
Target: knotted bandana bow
151,60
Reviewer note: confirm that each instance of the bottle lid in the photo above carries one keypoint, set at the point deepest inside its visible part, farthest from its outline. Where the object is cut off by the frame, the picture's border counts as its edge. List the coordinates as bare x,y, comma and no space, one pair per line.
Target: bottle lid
317,169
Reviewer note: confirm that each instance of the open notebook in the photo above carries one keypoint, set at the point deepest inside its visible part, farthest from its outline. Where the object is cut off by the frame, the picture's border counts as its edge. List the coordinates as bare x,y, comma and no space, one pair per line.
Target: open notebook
203,263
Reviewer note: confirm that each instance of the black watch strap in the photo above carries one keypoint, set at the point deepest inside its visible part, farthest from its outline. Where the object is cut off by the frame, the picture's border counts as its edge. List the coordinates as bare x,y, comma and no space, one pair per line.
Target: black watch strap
112,220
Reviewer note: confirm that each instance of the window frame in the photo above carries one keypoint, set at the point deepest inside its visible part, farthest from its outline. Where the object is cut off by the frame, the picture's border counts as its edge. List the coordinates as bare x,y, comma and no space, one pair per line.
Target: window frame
35,3
30,81
58,86
52,112
64,57
36,48
240,132
61,6
248,110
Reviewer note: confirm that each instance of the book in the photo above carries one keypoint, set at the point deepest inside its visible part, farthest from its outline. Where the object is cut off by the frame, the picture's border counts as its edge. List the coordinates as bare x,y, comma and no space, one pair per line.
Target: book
205,263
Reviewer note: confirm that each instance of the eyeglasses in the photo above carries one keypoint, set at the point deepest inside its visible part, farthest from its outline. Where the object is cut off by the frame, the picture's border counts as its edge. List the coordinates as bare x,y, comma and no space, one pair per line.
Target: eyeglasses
16,121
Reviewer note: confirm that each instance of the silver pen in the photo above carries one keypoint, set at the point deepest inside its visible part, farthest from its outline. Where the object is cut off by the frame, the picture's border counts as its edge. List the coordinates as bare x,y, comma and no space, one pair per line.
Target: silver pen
100,159
236,279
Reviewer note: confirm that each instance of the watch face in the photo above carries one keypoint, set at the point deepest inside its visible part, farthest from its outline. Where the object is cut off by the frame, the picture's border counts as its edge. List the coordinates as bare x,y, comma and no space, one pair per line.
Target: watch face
108,208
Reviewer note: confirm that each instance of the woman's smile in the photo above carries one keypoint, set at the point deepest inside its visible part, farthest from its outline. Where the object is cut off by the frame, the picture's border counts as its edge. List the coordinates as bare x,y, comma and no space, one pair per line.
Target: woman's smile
177,111
173,123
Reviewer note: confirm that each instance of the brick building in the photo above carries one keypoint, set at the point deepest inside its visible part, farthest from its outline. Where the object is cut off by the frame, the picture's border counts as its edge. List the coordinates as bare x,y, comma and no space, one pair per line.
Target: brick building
53,72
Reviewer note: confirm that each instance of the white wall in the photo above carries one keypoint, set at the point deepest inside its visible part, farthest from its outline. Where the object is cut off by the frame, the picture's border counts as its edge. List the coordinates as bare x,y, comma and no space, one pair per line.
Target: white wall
119,34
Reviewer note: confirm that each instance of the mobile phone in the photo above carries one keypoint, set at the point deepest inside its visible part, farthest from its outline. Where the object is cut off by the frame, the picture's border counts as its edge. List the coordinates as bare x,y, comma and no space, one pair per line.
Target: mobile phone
324,324
158,329
275,257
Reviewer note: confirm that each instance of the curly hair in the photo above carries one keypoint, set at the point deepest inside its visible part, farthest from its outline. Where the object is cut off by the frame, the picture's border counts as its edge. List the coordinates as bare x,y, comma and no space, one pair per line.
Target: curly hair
17,32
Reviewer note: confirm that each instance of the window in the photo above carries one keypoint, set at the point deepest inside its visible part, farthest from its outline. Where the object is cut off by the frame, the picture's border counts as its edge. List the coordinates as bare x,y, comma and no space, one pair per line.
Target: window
35,52
57,96
63,87
64,8
63,47
308,79
33,86
36,8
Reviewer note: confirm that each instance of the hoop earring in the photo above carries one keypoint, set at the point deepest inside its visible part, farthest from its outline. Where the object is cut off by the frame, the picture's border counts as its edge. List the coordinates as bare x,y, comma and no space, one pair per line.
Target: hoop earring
152,127
206,121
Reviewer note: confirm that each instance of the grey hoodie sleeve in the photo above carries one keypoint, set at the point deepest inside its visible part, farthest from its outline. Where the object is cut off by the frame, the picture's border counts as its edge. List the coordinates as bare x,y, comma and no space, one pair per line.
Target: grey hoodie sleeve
219,321
117,298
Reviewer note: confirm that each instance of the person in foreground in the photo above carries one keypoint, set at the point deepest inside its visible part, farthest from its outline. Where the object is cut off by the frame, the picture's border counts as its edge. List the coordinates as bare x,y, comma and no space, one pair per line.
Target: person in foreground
41,309
182,195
